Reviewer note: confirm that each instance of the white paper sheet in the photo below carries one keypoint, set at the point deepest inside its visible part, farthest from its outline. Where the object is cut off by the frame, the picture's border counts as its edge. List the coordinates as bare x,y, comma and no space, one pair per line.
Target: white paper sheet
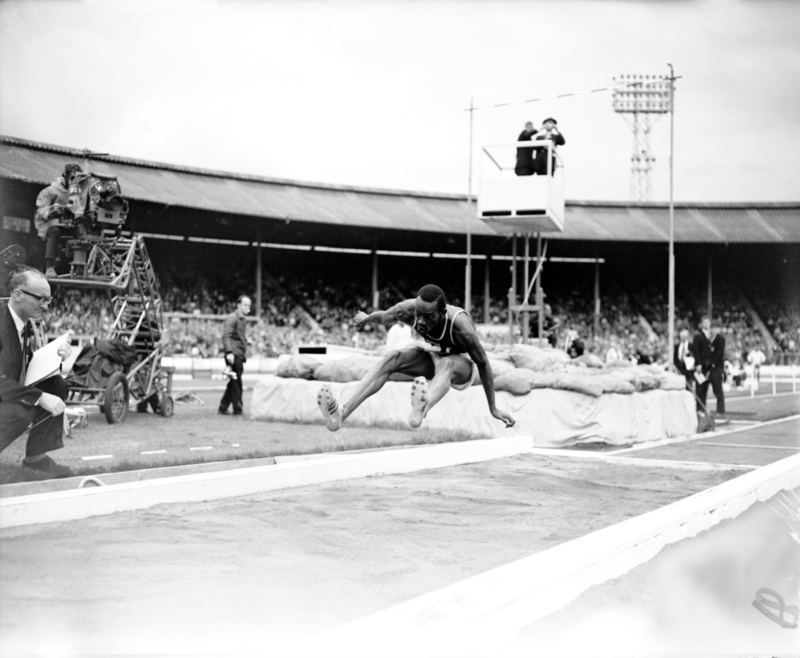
45,361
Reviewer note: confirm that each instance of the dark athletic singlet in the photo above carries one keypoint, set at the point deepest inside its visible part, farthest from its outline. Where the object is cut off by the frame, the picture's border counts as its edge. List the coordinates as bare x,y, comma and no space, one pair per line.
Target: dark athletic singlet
445,341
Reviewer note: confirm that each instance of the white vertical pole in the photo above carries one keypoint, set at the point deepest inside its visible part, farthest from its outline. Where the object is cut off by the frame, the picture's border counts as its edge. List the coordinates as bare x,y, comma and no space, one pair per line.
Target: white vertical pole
468,272
671,311
774,382
794,378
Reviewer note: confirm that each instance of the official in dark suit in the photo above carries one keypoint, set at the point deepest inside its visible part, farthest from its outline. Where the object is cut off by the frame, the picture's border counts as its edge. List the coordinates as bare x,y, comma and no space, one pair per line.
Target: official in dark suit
525,155
20,405
701,350
684,359
717,373
234,342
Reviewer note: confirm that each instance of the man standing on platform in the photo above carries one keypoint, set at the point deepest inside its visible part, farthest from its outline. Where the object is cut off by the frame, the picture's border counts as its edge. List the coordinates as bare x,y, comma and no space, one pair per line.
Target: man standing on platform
234,342
525,155
42,404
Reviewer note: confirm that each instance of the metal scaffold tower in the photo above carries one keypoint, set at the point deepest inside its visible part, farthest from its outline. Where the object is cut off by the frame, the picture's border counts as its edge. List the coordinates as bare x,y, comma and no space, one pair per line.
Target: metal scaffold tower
640,102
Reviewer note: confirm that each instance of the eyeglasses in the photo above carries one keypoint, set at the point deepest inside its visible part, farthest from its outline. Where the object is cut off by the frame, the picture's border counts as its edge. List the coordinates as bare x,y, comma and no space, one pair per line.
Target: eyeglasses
39,298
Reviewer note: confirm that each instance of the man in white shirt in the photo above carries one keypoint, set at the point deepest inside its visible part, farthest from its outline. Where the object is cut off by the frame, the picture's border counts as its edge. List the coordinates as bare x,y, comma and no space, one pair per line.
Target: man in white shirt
683,359
756,358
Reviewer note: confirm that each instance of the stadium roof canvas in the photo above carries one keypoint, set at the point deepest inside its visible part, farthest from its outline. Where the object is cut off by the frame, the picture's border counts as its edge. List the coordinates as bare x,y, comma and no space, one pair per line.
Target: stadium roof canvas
354,207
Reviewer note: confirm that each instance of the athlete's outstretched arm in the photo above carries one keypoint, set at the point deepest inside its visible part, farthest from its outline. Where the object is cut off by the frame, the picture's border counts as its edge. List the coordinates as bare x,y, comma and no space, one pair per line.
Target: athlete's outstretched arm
402,312
464,334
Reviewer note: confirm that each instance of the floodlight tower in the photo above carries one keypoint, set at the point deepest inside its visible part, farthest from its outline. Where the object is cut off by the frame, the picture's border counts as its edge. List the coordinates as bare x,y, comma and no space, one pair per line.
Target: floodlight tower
640,99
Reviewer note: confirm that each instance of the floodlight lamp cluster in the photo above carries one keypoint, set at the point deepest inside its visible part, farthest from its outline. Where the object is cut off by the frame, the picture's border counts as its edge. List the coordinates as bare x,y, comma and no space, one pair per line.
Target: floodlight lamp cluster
642,93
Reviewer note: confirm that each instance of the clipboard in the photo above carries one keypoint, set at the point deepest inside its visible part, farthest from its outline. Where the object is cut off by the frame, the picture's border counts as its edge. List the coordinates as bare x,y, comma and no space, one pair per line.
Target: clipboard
45,361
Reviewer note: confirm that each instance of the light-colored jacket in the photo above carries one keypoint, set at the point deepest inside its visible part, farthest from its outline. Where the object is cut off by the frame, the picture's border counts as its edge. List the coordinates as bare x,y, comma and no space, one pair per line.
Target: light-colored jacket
55,193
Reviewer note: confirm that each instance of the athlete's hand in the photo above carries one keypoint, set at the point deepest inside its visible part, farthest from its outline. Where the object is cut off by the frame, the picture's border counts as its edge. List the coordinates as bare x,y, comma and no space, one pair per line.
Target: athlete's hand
360,320
502,415
229,358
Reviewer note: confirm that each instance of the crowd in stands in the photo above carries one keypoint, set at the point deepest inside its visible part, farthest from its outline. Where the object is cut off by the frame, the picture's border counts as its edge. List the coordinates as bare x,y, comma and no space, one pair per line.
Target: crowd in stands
307,310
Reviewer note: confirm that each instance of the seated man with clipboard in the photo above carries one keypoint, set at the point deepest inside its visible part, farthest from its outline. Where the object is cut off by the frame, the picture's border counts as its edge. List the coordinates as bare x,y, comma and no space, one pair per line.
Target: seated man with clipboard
30,401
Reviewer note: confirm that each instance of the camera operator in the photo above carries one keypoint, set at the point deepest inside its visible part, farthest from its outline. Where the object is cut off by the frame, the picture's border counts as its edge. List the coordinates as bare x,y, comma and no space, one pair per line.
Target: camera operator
50,206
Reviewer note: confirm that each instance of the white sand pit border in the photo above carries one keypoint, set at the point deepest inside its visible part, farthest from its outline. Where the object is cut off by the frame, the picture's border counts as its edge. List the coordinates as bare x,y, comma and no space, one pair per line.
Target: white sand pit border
478,615
95,501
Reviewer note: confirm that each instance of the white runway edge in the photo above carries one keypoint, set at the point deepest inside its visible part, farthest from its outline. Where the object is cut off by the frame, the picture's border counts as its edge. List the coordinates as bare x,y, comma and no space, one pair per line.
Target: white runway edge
478,615
95,501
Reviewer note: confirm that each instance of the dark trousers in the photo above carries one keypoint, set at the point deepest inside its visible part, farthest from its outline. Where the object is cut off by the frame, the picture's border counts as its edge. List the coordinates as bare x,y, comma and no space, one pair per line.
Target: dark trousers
701,391
540,166
51,245
715,377
233,391
47,434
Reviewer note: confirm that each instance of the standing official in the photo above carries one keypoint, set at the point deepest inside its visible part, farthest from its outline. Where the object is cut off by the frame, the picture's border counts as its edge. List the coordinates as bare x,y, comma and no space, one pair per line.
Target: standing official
41,404
683,358
525,165
234,342
717,372
701,350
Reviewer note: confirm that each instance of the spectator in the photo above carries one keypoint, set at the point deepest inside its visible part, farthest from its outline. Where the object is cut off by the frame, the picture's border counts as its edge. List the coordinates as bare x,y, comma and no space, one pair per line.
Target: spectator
756,358
551,132
234,341
525,164
549,326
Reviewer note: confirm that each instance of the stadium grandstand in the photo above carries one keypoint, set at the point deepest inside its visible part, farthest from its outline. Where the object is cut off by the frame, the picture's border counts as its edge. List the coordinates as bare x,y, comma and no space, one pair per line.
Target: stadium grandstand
313,254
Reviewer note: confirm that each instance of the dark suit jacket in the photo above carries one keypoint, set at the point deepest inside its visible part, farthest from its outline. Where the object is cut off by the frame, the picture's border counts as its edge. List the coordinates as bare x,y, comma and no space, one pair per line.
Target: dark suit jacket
11,363
701,350
680,365
234,336
718,352
525,155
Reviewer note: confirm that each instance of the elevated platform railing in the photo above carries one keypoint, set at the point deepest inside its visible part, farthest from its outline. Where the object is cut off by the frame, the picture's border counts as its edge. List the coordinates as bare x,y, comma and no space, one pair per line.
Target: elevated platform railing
521,204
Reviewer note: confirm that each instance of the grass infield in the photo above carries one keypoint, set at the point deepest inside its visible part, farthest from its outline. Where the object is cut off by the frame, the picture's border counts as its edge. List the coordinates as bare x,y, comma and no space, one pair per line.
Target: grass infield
196,434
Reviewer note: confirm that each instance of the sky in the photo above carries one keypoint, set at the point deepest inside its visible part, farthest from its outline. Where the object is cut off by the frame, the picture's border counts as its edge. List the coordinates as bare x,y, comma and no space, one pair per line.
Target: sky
375,94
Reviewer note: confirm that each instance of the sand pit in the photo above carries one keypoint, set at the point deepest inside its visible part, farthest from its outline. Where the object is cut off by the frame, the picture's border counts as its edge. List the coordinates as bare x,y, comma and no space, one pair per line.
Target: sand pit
694,598
250,573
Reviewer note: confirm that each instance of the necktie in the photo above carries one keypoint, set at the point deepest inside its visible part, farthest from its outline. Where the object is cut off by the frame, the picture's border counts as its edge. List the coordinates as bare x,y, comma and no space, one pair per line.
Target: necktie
27,335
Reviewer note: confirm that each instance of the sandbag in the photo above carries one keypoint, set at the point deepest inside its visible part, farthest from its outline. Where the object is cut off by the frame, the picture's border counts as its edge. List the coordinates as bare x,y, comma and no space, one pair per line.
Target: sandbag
518,381
620,363
569,382
499,366
300,366
589,360
651,368
348,369
613,384
670,381
644,381
536,359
